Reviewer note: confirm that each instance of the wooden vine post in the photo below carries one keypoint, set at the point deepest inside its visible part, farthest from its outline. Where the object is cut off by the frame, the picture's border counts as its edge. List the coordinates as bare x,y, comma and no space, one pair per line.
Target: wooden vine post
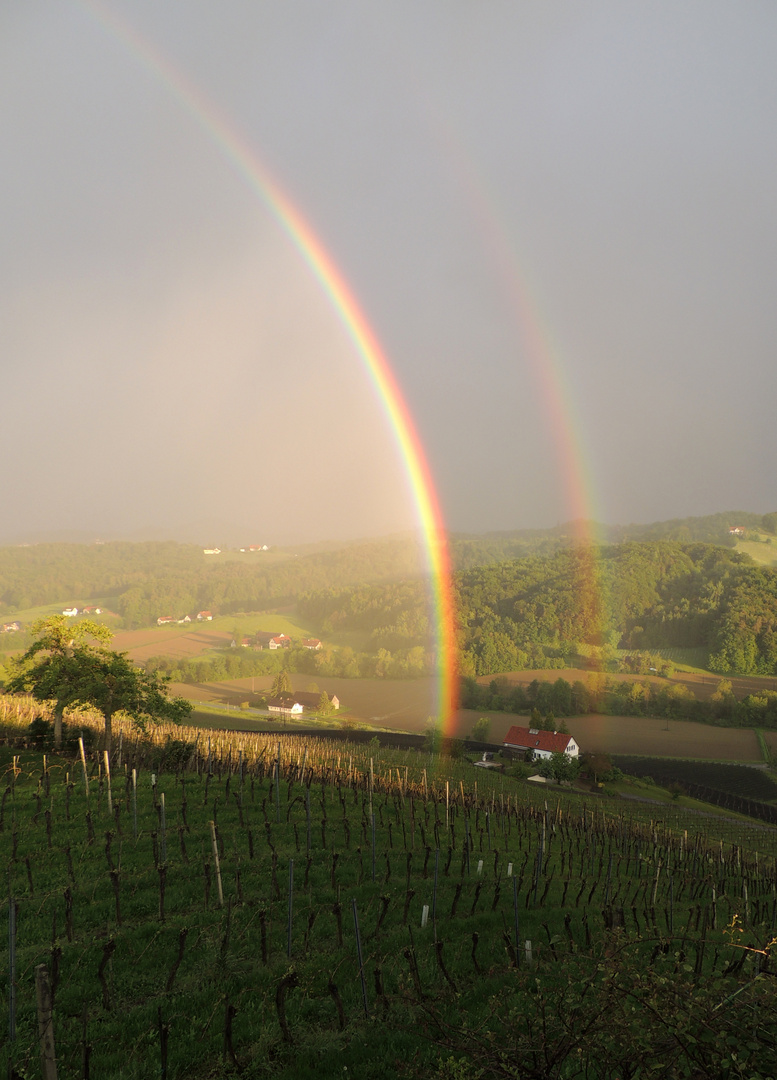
215,845
107,761
45,1023
83,765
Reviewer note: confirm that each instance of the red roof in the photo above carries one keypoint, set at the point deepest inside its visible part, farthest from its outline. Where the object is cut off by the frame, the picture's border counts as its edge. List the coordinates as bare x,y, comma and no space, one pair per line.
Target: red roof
553,742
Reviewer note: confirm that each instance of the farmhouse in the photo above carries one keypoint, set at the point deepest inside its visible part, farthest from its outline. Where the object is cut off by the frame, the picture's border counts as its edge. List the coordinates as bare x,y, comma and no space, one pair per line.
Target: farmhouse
166,620
280,641
204,616
285,705
311,643
69,611
10,627
541,743
295,703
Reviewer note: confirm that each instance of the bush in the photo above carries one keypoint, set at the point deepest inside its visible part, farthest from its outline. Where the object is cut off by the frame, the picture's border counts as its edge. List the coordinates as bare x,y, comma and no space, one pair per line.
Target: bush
42,733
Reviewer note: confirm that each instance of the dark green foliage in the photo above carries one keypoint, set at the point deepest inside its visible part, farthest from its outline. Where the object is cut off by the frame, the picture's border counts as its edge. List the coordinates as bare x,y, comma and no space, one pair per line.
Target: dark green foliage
733,779
533,612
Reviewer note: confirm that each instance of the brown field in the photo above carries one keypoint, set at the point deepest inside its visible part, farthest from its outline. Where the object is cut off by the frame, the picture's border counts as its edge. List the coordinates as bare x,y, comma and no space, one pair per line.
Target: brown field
397,704
175,641
406,705
770,738
702,686
649,736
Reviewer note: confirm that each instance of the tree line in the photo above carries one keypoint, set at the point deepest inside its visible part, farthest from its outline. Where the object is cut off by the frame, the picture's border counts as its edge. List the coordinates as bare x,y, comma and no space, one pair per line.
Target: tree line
552,701
539,610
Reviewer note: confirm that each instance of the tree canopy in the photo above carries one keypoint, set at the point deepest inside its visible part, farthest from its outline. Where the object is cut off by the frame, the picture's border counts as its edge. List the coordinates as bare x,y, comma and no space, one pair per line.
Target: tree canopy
69,665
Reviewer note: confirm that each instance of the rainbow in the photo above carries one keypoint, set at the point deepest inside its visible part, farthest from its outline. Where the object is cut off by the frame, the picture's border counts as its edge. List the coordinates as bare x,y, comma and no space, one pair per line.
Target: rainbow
544,359
235,147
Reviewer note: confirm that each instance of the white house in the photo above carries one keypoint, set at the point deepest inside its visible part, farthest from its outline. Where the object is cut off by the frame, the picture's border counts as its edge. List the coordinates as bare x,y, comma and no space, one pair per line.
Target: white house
541,743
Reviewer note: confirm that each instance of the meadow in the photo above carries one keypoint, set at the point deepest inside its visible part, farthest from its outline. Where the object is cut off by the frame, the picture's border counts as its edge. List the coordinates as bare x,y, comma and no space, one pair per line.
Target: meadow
259,906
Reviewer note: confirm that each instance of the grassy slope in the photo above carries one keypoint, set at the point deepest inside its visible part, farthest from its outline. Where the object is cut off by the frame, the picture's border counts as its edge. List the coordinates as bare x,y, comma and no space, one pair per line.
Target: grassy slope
222,959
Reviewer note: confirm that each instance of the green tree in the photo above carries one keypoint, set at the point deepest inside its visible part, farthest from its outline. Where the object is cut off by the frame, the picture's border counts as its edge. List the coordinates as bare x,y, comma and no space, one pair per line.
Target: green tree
64,666
110,682
480,729
281,684
51,667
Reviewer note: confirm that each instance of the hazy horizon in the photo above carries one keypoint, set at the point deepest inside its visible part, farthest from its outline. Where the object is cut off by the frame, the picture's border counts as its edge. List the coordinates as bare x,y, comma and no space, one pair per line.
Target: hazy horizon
560,223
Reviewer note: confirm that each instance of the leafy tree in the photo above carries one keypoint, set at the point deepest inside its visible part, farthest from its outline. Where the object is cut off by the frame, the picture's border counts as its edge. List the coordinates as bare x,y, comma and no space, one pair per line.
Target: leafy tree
51,667
281,684
564,767
110,682
480,729
597,765
64,666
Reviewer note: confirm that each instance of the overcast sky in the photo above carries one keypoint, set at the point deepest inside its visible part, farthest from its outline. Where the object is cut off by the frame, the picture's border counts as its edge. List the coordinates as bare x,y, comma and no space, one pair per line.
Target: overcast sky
559,219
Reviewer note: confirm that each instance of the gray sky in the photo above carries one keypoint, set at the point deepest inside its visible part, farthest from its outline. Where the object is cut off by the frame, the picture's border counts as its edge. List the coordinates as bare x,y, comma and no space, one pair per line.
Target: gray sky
559,219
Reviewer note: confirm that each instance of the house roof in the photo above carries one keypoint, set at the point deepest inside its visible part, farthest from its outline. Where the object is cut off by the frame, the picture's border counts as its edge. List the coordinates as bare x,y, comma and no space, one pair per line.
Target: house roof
553,742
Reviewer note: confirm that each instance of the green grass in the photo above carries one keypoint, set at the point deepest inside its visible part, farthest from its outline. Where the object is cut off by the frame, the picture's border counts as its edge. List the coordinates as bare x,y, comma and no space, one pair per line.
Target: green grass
759,550
29,615
225,719
250,622
693,659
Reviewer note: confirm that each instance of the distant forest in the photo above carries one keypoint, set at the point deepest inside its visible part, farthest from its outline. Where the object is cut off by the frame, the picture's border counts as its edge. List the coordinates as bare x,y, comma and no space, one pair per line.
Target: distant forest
532,599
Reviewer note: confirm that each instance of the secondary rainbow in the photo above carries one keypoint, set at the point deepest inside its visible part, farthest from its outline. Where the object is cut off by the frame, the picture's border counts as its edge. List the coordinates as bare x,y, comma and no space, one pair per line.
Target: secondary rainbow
544,358
226,136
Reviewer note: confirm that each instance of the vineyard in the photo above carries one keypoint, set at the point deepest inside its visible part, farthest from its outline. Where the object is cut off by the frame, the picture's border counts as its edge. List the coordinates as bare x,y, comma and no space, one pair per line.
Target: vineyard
221,905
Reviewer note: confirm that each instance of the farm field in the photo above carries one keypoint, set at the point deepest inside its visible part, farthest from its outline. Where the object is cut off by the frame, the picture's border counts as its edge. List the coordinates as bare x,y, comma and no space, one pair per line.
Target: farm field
281,911
407,705
649,736
399,704
175,641
703,686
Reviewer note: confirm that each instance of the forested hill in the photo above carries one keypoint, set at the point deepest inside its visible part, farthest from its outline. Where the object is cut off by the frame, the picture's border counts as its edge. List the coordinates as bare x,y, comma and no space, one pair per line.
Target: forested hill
528,610
149,579
646,596
471,551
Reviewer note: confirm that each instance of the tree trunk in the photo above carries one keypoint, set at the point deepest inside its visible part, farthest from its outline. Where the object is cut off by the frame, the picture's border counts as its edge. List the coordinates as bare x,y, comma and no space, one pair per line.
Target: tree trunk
59,708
